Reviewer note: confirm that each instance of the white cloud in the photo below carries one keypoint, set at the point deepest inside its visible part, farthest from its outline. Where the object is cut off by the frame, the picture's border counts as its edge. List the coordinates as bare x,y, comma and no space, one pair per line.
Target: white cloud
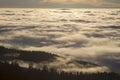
65,38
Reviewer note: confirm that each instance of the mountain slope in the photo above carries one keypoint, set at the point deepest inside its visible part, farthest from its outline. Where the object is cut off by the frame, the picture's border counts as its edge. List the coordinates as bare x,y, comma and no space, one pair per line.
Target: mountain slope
38,59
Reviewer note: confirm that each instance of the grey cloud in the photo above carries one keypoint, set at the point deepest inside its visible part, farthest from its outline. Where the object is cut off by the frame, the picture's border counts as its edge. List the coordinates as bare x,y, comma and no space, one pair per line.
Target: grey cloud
110,60
53,4
18,3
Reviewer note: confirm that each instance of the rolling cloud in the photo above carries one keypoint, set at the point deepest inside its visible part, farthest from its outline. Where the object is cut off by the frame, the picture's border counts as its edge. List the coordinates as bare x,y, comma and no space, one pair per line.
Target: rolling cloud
86,34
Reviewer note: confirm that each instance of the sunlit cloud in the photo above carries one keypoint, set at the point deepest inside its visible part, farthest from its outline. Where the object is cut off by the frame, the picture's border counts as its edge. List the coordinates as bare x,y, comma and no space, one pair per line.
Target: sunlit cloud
76,36
96,3
75,1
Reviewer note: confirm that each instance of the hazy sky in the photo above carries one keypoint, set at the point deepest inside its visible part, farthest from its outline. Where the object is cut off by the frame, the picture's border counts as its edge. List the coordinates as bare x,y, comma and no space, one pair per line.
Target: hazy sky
60,3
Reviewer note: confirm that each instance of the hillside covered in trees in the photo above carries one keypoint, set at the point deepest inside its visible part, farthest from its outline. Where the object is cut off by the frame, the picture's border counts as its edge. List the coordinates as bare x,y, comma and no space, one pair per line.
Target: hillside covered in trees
12,71
34,56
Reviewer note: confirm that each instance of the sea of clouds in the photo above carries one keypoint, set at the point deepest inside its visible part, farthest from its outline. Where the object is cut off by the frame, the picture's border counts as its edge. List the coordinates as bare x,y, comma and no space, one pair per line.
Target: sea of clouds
84,34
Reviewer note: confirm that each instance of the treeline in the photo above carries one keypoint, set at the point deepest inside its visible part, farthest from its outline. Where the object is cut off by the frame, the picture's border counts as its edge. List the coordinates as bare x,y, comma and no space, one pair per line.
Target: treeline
14,72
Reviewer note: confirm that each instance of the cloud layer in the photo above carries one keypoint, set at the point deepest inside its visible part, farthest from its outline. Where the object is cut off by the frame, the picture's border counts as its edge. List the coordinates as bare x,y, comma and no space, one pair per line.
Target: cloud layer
84,34
59,3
